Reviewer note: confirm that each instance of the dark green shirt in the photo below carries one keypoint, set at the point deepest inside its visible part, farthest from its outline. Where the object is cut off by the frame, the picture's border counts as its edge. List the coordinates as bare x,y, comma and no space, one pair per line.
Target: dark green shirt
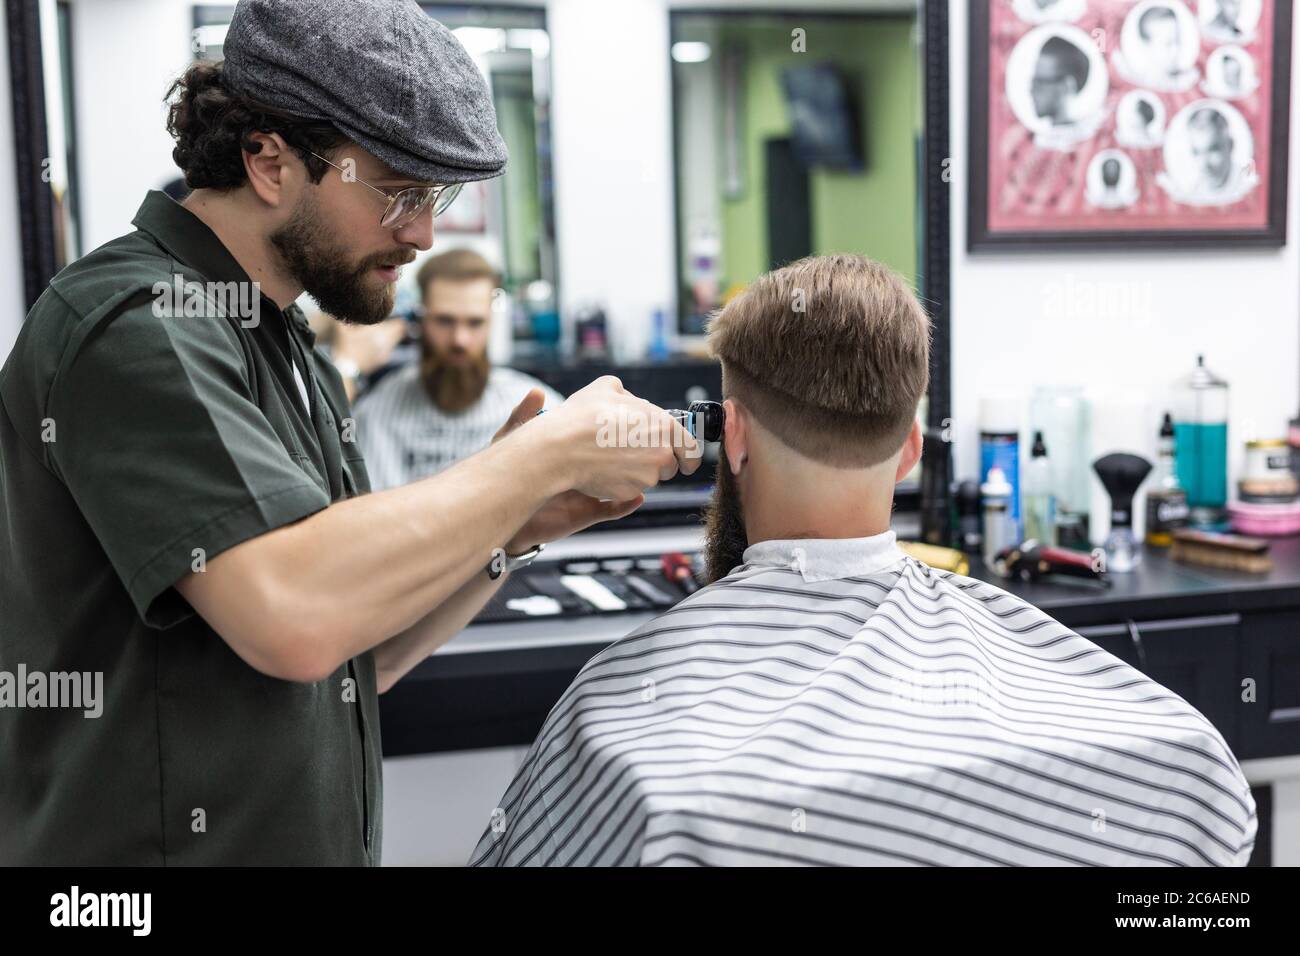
139,439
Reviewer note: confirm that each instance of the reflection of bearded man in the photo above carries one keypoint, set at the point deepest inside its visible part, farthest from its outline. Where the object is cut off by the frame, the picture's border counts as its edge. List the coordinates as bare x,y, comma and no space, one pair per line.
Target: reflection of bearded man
1211,146
454,378
457,297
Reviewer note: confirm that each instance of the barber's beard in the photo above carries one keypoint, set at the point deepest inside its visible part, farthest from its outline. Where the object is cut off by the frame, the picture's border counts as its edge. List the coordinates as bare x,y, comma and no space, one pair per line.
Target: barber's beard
725,540
313,256
453,387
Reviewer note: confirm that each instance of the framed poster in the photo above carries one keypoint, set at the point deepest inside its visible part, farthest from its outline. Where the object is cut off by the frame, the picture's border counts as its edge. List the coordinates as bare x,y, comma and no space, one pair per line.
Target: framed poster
1115,123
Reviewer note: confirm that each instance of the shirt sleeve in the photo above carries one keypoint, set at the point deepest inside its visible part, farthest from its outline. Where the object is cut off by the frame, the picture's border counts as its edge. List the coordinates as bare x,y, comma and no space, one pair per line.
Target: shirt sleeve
162,445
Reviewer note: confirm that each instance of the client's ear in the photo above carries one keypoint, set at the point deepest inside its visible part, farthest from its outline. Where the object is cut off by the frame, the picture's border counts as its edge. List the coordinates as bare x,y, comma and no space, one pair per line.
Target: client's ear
911,450
735,436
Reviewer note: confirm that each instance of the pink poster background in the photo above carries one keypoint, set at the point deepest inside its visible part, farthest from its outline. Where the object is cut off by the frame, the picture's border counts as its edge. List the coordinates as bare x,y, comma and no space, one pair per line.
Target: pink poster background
1031,188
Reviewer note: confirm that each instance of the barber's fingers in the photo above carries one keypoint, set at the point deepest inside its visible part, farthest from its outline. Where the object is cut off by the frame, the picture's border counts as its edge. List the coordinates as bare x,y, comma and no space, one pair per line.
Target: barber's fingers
525,411
609,510
686,449
684,452
600,388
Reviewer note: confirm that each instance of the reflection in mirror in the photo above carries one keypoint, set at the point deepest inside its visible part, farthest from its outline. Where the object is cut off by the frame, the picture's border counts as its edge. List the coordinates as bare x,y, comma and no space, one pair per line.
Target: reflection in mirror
509,220
795,135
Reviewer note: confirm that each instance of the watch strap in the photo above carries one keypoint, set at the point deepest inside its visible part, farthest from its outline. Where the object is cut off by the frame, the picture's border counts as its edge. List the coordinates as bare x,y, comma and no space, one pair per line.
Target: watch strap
502,561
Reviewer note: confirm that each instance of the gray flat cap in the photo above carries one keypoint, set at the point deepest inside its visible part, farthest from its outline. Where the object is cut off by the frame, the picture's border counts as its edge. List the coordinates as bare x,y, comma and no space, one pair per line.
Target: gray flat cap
383,71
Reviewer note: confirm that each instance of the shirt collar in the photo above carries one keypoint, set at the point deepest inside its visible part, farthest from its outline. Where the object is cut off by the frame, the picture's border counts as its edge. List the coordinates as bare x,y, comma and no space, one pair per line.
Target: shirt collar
822,559
189,240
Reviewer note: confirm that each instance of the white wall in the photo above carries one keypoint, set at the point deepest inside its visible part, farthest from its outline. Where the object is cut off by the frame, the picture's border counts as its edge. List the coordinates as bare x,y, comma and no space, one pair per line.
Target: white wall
613,160
125,55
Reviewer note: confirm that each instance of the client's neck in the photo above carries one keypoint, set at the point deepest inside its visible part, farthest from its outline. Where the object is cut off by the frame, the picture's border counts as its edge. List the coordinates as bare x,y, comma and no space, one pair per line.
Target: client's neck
798,498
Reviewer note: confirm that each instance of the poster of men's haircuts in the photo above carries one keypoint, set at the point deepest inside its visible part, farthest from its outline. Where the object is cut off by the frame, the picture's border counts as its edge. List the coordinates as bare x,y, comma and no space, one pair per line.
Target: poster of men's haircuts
1096,123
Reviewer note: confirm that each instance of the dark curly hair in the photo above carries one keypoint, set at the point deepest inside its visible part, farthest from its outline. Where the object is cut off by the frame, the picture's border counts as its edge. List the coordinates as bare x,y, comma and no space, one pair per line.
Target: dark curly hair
212,129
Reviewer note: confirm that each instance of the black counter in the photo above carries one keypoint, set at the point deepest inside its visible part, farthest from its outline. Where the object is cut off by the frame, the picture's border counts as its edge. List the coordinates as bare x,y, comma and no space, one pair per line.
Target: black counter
1160,586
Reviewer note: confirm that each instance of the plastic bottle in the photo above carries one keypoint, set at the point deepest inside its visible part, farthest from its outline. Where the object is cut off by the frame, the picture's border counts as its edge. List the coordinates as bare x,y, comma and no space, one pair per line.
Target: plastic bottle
1040,503
1000,446
999,526
1166,501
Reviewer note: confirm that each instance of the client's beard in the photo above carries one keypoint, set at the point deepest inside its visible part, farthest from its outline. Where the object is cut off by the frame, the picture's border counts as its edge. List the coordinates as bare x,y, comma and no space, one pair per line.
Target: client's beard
725,540
453,388
312,256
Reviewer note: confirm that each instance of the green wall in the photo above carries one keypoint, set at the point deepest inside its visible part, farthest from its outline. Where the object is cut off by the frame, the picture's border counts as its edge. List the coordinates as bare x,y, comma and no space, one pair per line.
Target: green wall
873,212
513,93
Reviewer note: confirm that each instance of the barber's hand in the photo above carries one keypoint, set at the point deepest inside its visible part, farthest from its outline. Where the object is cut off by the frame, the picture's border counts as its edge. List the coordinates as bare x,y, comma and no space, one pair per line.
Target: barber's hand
370,346
615,445
566,513
524,413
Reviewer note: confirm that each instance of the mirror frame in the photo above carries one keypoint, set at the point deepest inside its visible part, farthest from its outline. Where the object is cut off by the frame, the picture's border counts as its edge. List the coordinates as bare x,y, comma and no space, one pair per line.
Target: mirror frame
31,148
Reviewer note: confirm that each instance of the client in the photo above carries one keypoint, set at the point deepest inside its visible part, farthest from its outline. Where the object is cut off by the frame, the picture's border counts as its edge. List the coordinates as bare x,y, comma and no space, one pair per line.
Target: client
828,699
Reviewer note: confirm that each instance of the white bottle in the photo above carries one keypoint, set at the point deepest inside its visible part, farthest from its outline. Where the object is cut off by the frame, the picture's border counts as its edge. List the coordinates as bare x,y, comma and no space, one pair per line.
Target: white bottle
999,526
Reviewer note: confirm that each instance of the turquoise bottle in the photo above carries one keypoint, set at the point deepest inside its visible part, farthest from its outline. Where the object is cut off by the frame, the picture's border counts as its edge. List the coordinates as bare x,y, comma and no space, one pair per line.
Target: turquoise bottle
1200,412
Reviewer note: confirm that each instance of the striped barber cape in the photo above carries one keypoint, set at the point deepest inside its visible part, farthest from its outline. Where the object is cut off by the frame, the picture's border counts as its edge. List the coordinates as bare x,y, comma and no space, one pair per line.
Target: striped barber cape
837,702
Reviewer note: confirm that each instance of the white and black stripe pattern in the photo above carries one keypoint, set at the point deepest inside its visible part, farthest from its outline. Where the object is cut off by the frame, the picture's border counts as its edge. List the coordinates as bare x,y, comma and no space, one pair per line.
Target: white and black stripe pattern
878,713
404,436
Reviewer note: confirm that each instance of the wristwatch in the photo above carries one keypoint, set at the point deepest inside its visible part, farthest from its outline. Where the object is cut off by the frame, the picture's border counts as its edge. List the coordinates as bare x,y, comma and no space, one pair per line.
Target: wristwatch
502,562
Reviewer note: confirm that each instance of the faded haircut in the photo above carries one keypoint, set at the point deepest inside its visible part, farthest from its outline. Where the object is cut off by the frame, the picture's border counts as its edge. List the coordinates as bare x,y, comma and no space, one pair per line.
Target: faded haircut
831,354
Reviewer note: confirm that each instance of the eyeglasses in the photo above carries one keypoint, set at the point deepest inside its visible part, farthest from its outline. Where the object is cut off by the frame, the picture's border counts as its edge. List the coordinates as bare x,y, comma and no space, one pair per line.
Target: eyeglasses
406,205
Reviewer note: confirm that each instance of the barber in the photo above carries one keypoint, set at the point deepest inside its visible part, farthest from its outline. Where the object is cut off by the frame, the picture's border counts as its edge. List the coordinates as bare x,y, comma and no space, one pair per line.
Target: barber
183,509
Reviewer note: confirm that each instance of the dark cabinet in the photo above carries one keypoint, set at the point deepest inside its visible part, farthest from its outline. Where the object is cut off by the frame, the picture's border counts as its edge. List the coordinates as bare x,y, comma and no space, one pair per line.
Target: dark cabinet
1270,657
467,701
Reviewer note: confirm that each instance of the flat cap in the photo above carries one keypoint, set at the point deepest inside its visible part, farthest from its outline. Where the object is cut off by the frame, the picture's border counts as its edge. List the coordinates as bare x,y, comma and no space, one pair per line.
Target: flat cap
384,72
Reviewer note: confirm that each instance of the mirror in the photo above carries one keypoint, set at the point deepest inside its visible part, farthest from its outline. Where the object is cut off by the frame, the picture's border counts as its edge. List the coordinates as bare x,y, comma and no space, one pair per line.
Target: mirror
795,135
510,219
